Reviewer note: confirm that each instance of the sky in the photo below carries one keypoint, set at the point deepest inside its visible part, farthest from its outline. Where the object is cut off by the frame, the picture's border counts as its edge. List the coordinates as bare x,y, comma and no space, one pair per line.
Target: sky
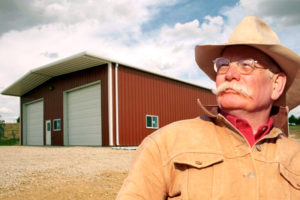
156,35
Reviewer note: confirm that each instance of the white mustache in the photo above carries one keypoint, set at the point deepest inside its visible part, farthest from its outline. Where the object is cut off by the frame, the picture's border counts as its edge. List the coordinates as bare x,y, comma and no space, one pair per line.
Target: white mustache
234,86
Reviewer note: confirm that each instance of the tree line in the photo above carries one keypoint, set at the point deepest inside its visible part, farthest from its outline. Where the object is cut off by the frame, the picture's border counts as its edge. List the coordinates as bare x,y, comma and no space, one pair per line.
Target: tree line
294,120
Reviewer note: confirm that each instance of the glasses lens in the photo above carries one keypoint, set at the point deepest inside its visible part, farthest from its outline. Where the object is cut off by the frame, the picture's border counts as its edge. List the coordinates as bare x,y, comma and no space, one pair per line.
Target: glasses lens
246,66
221,65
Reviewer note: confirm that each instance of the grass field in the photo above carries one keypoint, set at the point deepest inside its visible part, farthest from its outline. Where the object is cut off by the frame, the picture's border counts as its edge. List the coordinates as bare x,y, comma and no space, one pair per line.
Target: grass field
5,142
295,132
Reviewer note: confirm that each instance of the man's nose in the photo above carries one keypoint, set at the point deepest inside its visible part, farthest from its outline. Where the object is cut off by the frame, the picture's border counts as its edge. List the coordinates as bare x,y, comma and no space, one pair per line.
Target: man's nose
233,72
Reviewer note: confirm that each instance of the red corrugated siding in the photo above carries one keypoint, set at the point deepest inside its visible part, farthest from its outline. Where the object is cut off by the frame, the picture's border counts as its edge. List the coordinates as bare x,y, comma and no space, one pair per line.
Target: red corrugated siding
142,93
53,100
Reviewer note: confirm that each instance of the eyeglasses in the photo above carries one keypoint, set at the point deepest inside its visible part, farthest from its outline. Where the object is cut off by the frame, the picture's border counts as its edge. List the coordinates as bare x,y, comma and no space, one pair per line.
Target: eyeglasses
221,65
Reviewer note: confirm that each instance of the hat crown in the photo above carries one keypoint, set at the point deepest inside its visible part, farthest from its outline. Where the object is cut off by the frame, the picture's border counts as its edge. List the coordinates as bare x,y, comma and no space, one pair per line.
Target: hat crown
254,31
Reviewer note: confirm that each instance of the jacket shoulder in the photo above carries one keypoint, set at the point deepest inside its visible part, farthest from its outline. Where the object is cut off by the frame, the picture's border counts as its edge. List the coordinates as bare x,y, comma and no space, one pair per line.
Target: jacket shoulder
289,151
188,126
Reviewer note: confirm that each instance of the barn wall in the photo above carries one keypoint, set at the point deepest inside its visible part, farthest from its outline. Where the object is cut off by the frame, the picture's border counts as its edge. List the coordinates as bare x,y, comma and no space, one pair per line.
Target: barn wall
141,93
53,100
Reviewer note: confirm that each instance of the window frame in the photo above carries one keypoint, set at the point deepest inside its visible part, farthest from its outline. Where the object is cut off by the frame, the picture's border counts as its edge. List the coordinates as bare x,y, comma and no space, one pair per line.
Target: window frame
55,127
152,117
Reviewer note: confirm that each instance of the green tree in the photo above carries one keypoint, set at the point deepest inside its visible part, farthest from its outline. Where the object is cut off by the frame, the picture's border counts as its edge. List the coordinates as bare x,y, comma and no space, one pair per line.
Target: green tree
2,124
298,120
294,120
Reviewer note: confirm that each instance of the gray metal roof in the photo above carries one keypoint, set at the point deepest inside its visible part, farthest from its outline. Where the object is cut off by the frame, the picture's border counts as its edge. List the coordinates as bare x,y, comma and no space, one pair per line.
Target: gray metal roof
67,65
42,74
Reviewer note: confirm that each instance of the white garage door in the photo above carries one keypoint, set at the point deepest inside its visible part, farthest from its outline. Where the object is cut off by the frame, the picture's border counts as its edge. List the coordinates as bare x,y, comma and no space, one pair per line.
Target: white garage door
84,116
33,123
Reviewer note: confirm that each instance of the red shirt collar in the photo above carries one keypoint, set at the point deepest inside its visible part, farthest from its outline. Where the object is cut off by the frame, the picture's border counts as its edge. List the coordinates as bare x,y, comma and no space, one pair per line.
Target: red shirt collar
245,128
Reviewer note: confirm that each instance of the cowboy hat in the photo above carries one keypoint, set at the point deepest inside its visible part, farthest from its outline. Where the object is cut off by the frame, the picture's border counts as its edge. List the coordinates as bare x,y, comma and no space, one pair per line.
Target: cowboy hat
254,32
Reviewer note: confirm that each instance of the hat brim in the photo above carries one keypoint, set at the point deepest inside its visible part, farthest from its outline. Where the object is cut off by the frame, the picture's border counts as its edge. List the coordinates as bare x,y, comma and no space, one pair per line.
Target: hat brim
288,61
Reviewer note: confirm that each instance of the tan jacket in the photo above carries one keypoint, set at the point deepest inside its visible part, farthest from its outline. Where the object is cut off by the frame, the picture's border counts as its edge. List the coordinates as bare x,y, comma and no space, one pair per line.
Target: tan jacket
208,158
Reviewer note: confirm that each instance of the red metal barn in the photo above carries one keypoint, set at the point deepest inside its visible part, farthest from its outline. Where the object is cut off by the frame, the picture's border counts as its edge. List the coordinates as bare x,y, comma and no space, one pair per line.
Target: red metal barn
88,100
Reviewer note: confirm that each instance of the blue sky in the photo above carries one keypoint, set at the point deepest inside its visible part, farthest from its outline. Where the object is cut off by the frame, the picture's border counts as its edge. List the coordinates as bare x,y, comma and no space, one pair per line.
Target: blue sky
186,11
157,35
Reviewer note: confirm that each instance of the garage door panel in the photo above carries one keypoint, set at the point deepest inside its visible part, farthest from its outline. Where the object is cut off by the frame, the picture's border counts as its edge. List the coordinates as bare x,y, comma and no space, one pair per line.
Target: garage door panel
84,116
83,103
87,126
86,112
34,123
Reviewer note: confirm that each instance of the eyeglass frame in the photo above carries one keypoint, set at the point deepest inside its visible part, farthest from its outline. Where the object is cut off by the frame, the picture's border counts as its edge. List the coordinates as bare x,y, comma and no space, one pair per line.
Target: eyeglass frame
239,65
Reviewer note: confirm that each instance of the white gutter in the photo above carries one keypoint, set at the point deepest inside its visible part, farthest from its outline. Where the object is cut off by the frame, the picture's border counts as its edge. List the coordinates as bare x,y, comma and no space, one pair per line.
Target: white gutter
117,104
110,106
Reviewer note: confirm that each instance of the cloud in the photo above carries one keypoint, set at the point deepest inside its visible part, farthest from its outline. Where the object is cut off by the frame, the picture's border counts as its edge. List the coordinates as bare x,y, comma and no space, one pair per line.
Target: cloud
127,14
50,55
282,16
295,112
17,15
6,110
284,13
279,13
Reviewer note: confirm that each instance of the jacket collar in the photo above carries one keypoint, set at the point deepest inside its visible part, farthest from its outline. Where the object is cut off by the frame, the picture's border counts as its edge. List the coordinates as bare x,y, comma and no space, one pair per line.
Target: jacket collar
279,115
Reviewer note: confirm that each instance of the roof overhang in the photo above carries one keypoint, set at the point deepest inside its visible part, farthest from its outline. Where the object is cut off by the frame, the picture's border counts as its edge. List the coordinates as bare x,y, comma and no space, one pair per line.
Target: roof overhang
74,63
42,74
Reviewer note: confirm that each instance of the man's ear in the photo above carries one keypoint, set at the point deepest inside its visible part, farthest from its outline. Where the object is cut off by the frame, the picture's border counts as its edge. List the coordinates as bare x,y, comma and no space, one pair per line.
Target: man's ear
279,81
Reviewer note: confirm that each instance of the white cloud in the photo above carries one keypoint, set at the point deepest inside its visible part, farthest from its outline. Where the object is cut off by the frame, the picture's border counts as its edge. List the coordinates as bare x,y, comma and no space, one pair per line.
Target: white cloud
123,13
283,13
9,108
6,110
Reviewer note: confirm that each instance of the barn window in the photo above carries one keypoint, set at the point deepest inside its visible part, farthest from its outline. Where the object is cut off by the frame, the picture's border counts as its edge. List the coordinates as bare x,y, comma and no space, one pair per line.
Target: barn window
151,121
57,124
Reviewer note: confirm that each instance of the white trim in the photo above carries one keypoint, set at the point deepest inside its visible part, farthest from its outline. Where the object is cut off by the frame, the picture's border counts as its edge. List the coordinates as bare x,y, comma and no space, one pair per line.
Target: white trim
65,124
110,105
25,119
157,122
48,142
21,123
117,103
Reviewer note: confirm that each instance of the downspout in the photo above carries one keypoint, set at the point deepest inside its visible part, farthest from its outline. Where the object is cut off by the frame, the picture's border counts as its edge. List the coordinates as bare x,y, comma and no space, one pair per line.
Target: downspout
117,104
110,106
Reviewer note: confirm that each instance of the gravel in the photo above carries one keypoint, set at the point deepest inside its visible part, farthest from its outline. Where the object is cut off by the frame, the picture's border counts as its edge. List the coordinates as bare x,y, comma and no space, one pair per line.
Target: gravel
26,164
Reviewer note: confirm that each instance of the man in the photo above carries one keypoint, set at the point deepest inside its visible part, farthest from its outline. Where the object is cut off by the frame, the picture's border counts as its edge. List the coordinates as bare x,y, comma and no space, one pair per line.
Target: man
238,149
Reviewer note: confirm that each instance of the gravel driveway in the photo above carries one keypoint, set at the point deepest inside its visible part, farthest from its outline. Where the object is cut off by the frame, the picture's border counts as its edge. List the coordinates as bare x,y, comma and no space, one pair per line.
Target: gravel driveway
24,165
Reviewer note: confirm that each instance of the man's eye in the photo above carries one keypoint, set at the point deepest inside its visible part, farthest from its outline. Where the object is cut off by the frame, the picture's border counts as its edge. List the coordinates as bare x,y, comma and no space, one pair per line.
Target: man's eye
223,68
245,64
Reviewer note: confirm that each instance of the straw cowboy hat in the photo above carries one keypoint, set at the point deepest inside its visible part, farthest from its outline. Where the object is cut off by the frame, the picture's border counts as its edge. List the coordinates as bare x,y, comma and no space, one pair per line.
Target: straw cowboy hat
254,32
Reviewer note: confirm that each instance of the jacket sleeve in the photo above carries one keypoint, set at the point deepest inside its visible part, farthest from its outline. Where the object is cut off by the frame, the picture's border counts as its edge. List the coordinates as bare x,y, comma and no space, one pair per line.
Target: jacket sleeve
145,179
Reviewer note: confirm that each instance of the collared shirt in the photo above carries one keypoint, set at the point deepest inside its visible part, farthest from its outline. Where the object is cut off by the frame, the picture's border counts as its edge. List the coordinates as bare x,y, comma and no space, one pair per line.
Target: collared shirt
245,128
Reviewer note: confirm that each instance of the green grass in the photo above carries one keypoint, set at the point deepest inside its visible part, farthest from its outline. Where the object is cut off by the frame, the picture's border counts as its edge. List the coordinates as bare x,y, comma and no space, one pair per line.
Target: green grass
295,131
5,142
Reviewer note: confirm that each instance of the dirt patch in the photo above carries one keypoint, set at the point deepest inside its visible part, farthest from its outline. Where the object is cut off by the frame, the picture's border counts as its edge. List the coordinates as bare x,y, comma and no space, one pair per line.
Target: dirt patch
47,173
104,186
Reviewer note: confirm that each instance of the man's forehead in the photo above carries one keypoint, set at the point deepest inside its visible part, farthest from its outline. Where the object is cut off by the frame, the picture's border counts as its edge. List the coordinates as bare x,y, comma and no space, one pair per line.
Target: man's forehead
243,51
